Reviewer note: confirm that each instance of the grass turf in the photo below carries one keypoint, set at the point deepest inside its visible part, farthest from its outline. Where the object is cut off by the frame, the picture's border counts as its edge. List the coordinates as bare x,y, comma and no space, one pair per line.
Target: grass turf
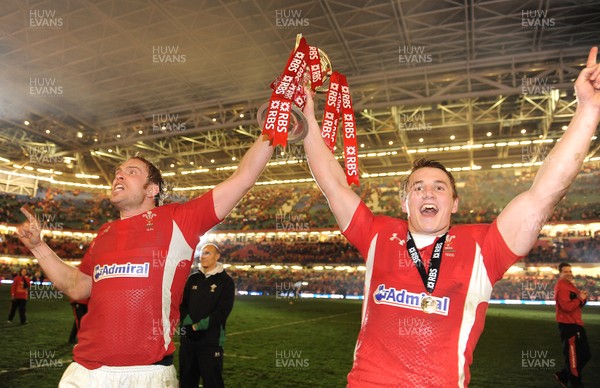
271,342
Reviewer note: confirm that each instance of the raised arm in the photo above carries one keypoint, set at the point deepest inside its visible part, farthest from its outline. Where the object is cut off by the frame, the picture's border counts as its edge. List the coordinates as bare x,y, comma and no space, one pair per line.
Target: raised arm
523,218
66,278
328,172
229,192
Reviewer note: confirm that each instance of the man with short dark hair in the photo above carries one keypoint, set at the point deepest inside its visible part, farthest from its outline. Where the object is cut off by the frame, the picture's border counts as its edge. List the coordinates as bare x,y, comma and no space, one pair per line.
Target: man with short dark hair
427,283
135,270
207,301
154,177
576,349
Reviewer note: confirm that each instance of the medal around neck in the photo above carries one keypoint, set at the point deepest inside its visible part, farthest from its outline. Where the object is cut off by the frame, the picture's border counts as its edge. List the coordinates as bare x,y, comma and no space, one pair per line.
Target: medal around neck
430,278
428,304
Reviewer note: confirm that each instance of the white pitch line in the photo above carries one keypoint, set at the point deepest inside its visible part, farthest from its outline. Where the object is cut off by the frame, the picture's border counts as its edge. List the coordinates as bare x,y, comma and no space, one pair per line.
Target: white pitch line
288,324
235,355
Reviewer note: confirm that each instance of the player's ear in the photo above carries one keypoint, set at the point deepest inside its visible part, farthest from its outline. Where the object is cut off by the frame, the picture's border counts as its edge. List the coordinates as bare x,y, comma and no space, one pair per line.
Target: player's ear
455,205
404,204
152,190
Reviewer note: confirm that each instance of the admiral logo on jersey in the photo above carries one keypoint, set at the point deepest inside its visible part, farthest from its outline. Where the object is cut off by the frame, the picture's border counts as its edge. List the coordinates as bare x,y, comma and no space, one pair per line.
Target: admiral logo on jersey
121,271
408,300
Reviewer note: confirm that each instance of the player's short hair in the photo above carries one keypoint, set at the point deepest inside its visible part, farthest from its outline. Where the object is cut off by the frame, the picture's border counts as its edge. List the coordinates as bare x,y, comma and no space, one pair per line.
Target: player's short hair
154,176
422,163
562,265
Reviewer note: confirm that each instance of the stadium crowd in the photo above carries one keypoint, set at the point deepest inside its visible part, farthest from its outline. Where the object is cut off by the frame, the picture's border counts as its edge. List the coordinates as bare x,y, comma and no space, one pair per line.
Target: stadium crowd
575,250
302,207
268,281
538,287
288,250
59,209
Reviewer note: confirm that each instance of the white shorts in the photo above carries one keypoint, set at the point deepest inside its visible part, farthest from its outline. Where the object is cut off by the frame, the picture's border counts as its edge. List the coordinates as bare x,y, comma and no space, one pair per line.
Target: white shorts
143,376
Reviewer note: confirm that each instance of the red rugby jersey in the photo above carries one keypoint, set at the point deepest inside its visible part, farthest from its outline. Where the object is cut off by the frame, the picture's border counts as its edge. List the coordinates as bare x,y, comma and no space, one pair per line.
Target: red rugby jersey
139,266
399,344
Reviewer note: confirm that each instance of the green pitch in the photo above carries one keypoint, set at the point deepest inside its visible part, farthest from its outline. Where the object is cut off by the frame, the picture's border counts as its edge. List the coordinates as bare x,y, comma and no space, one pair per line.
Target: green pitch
307,343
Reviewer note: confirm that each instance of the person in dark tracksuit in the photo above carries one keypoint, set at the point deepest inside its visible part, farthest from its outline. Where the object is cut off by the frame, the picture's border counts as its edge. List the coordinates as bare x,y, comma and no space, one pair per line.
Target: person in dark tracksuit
207,301
576,349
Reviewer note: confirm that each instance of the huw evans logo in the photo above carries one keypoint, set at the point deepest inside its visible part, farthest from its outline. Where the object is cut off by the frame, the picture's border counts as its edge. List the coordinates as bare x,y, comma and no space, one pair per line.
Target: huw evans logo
121,271
408,300
45,18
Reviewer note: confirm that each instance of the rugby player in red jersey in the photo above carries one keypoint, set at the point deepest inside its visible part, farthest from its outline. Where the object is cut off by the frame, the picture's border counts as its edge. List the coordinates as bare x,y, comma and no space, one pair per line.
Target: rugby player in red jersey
135,270
427,282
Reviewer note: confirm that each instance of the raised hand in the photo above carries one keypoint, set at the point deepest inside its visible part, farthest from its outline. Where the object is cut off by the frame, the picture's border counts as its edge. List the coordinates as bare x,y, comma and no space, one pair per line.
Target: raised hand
587,85
29,232
309,107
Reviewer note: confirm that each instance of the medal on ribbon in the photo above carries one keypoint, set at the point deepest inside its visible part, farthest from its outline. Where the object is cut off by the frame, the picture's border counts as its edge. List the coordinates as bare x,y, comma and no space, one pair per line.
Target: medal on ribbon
429,304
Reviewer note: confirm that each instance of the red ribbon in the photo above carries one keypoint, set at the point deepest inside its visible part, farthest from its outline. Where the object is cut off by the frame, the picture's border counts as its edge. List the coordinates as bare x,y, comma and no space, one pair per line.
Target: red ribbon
314,63
284,89
331,115
339,105
288,89
350,149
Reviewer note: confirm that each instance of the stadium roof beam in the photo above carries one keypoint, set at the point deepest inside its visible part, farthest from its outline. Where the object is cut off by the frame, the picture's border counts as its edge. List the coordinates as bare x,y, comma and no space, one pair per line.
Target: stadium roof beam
471,51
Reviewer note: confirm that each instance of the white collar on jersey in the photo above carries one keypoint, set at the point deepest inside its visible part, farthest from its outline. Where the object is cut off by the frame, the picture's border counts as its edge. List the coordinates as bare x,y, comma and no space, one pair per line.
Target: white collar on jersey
423,240
218,269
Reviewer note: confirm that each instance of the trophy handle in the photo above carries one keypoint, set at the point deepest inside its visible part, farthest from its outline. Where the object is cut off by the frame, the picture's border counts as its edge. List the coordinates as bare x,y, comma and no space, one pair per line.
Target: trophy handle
298,123
326,67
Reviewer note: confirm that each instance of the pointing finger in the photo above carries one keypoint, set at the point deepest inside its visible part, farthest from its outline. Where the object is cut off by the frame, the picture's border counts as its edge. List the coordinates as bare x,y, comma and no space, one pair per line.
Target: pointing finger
591,61
25,210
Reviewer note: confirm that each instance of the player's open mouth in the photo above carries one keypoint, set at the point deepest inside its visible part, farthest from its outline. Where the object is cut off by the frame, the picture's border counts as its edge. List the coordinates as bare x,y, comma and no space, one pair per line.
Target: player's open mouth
429,210
118,187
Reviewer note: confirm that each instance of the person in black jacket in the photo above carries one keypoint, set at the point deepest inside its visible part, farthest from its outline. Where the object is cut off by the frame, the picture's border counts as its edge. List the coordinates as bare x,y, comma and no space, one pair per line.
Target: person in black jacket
207,301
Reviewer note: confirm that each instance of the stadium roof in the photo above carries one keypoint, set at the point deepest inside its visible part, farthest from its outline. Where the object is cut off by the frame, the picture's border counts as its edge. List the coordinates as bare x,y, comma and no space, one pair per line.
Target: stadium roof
467,83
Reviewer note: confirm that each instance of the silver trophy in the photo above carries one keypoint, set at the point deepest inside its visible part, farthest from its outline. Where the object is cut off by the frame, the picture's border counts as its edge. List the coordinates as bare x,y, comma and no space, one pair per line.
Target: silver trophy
298,127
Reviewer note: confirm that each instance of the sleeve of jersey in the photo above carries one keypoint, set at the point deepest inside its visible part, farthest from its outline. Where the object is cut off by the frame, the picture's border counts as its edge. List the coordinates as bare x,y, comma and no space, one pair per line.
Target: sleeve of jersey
496,254
360,231
87,264
196,217
564,299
